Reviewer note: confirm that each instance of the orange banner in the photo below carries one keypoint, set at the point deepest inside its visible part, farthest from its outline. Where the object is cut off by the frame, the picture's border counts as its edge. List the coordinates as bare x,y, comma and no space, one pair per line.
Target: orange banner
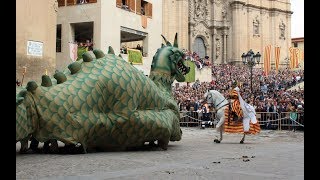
277,56
266,60
294,62
144,21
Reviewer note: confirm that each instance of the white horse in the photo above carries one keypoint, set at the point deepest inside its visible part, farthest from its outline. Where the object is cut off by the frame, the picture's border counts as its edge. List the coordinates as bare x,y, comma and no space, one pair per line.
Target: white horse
219,102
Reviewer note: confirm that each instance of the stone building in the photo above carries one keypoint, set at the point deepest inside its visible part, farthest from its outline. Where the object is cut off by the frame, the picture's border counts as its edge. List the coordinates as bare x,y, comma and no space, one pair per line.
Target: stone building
298,42
35,38
221,29
224,29
110,23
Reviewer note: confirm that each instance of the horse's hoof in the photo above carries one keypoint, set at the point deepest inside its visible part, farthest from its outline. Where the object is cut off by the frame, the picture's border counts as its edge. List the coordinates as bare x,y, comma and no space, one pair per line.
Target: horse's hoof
216,141
241,142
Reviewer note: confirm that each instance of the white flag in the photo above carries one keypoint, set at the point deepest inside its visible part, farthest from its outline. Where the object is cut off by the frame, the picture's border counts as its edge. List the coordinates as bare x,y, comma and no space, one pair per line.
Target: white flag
73,51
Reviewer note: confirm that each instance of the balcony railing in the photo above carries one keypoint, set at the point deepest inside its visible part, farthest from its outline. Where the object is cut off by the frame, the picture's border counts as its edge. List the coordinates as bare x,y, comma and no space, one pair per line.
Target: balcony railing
74,2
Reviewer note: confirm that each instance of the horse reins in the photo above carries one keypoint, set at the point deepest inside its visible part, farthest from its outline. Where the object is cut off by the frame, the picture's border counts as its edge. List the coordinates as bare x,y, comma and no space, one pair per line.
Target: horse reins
219,104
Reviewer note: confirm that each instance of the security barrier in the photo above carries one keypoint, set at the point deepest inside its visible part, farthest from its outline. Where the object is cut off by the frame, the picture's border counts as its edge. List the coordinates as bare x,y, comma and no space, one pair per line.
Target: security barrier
193,118
288,122
267,120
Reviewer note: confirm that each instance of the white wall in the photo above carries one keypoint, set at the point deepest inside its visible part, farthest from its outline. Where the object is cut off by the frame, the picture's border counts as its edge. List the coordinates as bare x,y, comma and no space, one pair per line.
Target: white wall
113,17
76,14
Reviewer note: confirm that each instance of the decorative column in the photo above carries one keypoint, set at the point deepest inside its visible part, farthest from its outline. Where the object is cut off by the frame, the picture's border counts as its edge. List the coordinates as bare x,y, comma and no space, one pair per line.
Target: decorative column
214,53
225,46
236,31
190,36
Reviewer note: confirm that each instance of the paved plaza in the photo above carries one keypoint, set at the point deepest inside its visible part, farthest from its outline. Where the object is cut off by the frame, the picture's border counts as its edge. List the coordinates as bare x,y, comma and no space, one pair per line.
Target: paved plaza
270,155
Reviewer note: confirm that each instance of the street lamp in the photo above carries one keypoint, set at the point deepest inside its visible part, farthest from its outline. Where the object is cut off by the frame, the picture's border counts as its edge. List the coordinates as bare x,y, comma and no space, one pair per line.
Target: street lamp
250,59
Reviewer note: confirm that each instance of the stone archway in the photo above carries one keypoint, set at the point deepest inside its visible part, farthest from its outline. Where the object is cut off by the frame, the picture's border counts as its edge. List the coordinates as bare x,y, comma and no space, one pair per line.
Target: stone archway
199,46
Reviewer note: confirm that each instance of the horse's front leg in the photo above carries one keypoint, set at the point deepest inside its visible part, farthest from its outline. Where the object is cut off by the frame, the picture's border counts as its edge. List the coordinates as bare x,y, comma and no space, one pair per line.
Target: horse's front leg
220,126
218,141
242,140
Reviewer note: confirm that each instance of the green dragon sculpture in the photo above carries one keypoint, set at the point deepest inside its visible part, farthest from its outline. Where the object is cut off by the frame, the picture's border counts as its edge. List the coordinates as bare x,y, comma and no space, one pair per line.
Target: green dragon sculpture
104,102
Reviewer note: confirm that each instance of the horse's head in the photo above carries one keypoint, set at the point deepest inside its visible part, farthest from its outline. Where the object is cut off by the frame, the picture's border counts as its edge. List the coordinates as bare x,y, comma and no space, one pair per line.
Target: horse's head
208,97
213,96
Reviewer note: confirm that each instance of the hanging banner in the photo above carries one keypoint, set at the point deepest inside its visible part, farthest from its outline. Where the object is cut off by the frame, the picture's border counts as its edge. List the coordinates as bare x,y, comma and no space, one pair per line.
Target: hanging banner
277,56
134,56
73,51
191,76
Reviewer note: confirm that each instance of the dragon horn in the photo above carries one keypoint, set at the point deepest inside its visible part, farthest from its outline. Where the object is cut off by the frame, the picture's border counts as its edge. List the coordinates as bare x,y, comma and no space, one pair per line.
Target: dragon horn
110,50
167,42
175,44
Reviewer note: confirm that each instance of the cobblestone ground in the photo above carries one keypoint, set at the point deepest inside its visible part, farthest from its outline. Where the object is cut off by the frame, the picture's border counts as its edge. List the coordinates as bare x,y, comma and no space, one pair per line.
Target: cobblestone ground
269,155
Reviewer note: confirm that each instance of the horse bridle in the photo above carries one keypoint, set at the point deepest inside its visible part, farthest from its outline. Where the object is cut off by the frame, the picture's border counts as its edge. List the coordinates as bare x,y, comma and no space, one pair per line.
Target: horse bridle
218,103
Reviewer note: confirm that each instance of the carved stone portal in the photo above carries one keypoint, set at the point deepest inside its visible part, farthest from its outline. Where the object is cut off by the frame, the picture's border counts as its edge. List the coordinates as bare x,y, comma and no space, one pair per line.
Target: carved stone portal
198,10
200,29
218,45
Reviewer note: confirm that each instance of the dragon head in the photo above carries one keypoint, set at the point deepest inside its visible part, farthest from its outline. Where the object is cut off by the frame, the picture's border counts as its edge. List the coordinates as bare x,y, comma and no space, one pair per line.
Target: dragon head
168,62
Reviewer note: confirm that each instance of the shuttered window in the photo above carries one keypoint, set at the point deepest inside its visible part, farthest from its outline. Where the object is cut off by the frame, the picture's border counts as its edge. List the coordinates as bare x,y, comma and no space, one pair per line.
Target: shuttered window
138,7
61,3
119,3
148,10
71,2
132,5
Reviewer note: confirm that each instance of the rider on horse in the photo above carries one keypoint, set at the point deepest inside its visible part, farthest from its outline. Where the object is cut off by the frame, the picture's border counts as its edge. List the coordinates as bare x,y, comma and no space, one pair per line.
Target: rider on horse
235,113
240,115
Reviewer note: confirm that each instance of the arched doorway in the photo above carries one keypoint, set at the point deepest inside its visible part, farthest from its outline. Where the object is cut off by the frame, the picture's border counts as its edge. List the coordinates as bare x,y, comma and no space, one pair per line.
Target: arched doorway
199,47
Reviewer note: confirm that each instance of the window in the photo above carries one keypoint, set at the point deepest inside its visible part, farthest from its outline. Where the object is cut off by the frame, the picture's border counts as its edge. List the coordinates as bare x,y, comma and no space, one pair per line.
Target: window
71,2
295,44
133,39
119,3
61,3
128,5
140,7
58,38
83,34
148,9
199,47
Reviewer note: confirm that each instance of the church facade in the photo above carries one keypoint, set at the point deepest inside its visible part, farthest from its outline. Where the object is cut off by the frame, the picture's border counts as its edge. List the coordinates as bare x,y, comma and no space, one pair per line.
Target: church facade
224,29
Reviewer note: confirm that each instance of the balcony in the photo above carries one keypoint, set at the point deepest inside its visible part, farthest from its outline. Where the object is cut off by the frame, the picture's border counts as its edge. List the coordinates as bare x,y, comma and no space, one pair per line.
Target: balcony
62,3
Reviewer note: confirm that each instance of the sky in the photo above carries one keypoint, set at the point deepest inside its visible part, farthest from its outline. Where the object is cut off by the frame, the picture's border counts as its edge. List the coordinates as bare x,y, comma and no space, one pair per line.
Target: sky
297,18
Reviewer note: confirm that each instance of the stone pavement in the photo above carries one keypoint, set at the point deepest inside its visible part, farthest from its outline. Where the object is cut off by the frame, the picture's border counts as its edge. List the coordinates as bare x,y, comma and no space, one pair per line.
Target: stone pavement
269,155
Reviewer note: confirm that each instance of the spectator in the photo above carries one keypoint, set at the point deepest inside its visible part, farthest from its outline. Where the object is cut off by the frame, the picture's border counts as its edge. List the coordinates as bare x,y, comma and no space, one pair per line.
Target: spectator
89,45
275,87
82,1
139,48
18,83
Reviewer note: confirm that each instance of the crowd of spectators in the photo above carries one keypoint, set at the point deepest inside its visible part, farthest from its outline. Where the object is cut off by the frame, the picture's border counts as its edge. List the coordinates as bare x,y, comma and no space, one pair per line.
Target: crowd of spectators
270,93
194,57
88,45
